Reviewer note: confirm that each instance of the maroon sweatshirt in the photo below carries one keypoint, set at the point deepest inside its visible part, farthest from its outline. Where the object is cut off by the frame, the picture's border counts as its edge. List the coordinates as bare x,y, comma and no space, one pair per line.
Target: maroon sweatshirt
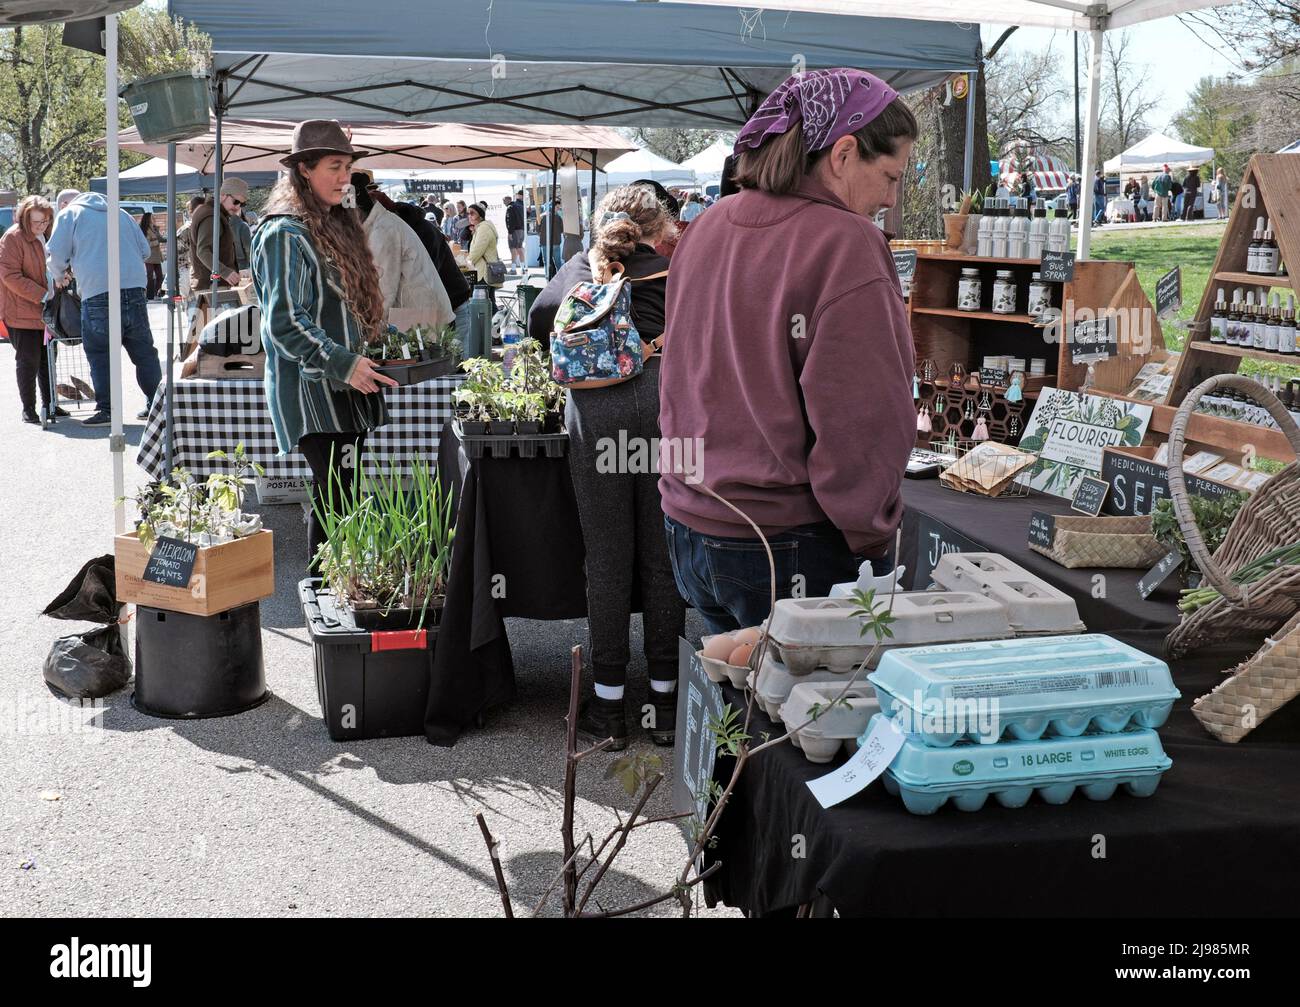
788,354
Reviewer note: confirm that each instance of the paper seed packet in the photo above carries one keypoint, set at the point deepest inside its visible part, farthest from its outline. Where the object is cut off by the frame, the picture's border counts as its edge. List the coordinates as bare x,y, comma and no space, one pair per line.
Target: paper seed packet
986,469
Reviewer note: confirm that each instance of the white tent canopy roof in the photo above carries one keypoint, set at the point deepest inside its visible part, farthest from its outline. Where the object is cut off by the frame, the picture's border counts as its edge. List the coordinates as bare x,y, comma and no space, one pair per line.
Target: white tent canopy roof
643,160
1156,151
710,160
1068,14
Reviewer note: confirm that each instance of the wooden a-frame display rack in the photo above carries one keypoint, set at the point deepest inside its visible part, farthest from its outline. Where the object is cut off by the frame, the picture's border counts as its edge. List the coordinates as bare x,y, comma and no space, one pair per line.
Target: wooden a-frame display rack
1270,188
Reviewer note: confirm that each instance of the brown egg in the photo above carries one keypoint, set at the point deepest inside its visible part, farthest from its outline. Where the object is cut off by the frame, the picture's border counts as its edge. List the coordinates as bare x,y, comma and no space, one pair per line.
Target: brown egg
747,636
720,647
740,656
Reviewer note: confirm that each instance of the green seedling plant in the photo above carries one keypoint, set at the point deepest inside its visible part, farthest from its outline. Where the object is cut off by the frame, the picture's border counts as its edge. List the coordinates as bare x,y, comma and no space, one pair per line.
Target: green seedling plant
202,513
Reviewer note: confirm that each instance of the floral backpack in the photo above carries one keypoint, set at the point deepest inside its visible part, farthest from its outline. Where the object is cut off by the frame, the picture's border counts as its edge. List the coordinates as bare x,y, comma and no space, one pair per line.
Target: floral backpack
594,342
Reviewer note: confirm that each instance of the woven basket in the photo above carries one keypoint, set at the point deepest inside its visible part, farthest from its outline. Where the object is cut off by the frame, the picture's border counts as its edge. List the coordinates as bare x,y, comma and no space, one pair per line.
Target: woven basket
1103,541
1257,689
1268,520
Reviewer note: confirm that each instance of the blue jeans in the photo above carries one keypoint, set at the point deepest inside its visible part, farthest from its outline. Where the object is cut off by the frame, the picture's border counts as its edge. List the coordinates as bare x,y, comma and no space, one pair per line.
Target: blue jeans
729,581
137,340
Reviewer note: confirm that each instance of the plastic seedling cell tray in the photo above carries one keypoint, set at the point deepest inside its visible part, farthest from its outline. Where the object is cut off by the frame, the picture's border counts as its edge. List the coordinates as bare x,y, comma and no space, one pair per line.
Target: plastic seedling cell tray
823,632
412,372
1027,688
1033,605
506,442
834,724
1011,772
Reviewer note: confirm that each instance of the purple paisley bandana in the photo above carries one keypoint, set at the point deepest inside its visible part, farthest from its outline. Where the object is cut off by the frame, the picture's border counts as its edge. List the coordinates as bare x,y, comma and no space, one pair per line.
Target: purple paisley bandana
827,104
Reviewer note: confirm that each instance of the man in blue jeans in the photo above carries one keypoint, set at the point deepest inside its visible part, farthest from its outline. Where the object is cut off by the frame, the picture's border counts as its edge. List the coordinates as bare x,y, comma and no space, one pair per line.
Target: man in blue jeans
80,244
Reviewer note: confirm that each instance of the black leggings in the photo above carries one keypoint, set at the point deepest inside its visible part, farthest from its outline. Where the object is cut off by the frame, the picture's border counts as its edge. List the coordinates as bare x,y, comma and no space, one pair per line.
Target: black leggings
326,454
33,366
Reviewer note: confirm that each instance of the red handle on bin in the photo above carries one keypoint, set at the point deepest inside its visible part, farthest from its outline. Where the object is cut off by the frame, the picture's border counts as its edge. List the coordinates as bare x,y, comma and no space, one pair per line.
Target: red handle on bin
399,639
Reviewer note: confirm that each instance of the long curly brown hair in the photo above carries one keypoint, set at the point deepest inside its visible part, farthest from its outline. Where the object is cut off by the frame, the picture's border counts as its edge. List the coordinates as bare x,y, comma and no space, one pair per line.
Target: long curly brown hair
336,231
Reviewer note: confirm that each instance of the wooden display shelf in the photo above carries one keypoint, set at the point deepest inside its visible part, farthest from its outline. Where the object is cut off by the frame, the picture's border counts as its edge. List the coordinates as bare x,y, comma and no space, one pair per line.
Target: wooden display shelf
1227,435
988,316
1249,352
1247,279
982,260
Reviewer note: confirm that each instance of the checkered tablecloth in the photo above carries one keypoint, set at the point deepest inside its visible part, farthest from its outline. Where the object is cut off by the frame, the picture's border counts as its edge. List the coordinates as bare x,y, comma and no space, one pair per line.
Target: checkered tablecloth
220,414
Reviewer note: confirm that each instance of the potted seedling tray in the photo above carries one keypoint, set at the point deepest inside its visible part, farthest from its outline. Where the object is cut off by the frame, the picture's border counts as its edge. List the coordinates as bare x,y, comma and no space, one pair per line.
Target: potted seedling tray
501,439
370,683
394,618
413,372
225,576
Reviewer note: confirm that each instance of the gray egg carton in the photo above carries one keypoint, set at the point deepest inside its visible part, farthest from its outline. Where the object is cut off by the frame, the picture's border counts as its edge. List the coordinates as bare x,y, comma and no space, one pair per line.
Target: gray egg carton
811,633
775,682
720,671
835,725
1034,607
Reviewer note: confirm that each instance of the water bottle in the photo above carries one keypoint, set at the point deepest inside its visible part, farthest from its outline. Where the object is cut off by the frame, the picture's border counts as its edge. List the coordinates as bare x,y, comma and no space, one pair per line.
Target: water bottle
510,337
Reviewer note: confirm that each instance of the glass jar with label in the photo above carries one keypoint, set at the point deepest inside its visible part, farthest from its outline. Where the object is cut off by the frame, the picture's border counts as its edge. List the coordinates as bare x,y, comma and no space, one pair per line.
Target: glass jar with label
1040,297
1004,293
969,290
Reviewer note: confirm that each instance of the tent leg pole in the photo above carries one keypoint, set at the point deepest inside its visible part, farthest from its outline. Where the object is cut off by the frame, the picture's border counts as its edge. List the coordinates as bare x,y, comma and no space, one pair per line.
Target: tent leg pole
1086,168
117,439
172,264
968,160
216,204
592,213
550,223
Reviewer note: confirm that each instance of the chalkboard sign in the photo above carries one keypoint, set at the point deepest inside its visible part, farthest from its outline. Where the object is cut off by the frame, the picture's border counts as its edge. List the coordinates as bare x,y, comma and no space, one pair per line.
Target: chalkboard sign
1056,267
1154,577
171,563
1042,529
1169,292
698,701
1137,483
934,540
1092,340
1089,495
905,263
995,376
435,186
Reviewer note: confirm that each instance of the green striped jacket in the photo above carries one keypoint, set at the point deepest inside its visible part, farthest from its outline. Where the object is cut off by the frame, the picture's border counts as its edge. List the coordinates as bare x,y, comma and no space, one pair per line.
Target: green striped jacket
311,338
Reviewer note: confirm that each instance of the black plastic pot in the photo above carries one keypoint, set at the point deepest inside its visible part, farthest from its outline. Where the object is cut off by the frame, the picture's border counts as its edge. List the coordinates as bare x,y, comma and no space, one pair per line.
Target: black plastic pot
474,428
553,422
528,428
500,428
193,666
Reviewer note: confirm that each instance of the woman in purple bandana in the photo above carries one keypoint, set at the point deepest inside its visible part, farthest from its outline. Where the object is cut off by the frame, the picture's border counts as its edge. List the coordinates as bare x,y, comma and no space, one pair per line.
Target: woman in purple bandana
788,359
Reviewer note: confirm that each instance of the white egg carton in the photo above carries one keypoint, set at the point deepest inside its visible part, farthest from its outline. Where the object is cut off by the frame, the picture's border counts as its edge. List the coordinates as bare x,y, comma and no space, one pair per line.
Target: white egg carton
813,633
774,682
835,725
1034,607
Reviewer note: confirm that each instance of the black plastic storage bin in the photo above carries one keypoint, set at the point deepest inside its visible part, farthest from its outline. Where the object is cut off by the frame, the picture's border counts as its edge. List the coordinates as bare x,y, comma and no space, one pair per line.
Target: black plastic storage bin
371,684
194,666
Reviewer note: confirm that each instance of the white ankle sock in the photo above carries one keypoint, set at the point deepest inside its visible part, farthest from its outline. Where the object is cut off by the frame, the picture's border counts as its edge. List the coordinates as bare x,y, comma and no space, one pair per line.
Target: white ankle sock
609,691
658,686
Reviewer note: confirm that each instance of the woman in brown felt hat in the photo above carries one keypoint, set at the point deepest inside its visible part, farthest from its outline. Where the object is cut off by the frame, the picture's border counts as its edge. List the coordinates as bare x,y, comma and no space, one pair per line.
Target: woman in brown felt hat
321,302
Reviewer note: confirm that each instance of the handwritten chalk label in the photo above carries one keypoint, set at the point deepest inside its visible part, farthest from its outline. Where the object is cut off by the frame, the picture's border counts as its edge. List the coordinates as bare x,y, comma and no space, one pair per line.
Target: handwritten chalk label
996,376
1056,267
1042,529
1089,495
1092,340
1156,576
171,562
1169,292
876,750
905,263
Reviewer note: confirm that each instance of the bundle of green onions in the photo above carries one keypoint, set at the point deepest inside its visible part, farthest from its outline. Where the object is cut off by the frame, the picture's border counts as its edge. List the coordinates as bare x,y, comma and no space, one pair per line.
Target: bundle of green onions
1287,555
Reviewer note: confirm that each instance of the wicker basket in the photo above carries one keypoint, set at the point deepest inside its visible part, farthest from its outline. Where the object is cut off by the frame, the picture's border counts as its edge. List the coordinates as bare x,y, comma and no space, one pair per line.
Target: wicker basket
1257,689
1103,541
1268,520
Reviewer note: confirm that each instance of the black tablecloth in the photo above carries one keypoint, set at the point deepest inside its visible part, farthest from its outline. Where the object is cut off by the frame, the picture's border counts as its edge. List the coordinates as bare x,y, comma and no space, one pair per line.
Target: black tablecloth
1218,838
518,551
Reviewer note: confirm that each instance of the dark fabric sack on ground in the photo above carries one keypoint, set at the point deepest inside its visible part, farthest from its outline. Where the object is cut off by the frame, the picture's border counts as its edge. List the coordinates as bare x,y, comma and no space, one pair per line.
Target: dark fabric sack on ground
91,596
88,665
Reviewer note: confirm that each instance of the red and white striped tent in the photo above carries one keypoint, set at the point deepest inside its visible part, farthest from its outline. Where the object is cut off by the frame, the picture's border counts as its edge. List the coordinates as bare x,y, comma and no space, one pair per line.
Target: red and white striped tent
1051,174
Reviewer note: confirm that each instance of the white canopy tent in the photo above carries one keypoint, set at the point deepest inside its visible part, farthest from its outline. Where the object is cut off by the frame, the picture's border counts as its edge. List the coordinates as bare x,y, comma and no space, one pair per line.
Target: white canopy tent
1096,19
1155,152
645,163
709,162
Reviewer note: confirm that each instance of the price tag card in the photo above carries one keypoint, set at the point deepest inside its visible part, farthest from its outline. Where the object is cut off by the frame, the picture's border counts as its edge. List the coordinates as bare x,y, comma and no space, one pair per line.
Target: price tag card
171,562
1056,267
995,376
1089,495
883,741
1042,529
1156,576
1092,340
1169,292
905,263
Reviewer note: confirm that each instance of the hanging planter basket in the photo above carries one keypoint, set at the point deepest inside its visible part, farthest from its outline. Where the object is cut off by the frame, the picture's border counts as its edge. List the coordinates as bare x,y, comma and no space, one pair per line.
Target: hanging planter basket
170,107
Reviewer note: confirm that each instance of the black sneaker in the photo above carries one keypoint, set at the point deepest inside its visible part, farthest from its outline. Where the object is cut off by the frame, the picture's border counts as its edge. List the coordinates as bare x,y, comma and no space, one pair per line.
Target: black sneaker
60,411
29,416
599,719
664,729
143,414
97,419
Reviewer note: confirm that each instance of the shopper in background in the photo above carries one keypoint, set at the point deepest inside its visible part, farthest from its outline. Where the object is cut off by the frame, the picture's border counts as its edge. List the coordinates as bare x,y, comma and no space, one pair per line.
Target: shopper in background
515,229
22,291
184,241
550,236
65,197
80,244
241,232
667,243
153,264
1221,184
232,197
321,303
1162,186
1072,196
1144,194
407,278
1191,190
462,234
483,250
1098,199
693,208
444,263
622,520
792,375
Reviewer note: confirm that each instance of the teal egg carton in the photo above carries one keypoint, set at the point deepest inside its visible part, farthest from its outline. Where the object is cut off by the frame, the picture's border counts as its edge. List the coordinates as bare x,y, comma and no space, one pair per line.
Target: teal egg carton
1023,689
1011,772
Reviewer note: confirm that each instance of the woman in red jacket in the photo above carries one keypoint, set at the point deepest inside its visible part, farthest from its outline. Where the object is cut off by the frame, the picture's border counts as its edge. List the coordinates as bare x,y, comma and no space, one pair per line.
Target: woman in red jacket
22,291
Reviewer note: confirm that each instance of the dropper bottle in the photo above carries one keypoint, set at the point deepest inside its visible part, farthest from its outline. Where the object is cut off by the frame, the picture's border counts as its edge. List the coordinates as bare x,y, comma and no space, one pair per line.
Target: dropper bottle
1266,258
1252,253
1286,334
1219,320
1271,325
1232,331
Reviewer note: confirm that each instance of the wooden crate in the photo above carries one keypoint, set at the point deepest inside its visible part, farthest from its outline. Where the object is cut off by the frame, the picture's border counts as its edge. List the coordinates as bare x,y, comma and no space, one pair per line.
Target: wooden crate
237,366
225,576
